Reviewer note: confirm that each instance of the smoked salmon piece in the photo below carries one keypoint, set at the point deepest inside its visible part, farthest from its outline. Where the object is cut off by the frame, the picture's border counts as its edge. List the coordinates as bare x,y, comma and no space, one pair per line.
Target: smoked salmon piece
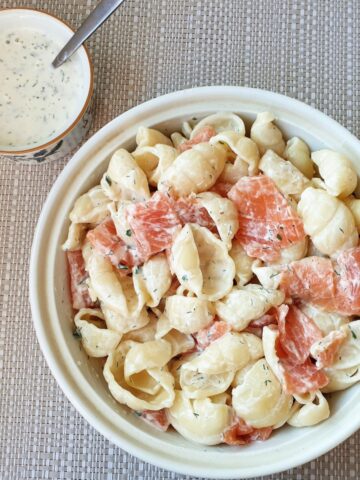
211,333
78,275
334,287
299,379
203,135
297,333
240,433
256,326
326,351
106,242
308,279
153,224
156,418
347,280
270,318
222,188
190,211
267,222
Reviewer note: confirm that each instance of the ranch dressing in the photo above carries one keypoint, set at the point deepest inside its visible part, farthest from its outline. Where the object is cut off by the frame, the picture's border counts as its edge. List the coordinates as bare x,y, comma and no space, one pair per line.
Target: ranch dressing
37,101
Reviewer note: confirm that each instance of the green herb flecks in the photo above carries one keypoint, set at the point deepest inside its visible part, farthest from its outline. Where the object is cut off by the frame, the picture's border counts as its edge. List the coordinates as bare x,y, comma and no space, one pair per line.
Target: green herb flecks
274,275
353,333
121,266
77,333
108,180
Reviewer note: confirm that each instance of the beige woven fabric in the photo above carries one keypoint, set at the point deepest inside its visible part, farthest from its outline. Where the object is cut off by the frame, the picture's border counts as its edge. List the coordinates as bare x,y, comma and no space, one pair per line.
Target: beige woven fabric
306,49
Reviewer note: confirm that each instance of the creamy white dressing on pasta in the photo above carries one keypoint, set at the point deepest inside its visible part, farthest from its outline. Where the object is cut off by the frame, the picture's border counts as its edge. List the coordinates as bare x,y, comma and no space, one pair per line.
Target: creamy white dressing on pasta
37,101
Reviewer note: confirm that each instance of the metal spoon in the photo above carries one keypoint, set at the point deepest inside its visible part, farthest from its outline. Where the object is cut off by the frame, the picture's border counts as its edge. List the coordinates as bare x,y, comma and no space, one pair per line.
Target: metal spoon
90,24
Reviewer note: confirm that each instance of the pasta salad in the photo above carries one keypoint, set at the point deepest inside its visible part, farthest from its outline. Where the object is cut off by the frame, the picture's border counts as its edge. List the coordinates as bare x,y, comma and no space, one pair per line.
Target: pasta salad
218,277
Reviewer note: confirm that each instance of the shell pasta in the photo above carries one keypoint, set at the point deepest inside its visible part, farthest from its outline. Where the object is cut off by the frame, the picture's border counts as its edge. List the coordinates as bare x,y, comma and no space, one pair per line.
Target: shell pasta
215,277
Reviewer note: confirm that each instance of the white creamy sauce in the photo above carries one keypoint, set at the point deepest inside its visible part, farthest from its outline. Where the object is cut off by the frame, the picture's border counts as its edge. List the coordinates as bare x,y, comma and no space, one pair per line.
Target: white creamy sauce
37,101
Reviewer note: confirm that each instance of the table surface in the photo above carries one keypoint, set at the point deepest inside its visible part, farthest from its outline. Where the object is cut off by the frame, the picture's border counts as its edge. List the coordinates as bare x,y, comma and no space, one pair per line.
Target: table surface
306,49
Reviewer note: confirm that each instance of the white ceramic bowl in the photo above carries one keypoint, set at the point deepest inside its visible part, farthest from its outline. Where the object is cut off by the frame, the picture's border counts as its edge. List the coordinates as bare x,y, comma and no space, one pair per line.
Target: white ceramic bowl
81,379
78,123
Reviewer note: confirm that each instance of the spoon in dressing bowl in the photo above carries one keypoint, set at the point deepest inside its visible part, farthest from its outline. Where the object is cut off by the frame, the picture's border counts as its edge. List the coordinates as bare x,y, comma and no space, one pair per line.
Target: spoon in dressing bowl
96,18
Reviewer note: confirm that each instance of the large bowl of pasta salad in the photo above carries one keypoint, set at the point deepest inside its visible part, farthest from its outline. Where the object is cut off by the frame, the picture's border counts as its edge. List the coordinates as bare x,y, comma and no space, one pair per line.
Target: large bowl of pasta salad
195,282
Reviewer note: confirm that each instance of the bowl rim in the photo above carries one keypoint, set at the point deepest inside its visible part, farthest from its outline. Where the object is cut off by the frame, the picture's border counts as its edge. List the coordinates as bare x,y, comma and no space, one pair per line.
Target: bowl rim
121,439
90,92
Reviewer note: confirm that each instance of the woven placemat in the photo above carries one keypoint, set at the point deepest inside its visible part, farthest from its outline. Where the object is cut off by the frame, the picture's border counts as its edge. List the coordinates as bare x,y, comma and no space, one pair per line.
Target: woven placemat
306,49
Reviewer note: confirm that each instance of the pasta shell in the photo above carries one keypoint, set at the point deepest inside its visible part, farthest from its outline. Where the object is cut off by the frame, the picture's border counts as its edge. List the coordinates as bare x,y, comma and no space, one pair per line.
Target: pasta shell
223,212
92,207
194,171
97,340
255,301
201,263
286,176
154,161
148,137
266,134
124,179
220,122
330,225
259,398
298,153
202,421
311,413
137,375
339,175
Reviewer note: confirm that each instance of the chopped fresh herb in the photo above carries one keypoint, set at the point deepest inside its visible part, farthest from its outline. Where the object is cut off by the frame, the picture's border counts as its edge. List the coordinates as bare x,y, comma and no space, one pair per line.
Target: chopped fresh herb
353,333
266,382
138,414
108,180
77,333
278,236
274,274
195,414
137,270
128,233
184,278
353,374
341,230
122,267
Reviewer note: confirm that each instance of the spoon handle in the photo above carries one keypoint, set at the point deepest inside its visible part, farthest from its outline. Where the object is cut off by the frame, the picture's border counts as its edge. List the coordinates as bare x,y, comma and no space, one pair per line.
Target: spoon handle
100,13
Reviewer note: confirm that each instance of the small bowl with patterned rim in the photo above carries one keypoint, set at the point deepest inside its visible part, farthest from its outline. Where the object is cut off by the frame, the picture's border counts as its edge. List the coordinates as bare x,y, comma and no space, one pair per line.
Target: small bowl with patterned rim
45,112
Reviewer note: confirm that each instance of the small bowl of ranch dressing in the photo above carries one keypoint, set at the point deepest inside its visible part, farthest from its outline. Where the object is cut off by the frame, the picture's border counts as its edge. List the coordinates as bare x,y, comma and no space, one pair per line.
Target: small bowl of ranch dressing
45,112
